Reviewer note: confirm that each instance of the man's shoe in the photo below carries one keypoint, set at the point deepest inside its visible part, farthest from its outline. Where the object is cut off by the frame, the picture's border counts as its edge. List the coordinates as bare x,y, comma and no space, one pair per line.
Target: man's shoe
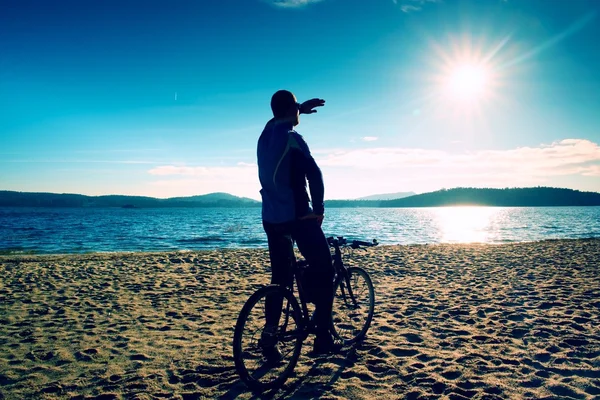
268,342
272,354
326,345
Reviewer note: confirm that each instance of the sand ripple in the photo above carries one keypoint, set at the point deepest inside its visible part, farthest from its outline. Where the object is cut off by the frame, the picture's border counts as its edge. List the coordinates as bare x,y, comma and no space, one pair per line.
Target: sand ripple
452,322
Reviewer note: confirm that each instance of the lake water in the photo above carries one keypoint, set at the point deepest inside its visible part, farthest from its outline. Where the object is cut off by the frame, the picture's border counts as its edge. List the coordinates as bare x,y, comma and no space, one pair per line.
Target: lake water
81,230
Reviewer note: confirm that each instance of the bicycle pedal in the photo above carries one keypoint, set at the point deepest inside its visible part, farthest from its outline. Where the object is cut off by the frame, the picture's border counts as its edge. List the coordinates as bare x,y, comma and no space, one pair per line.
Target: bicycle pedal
272,354
267,339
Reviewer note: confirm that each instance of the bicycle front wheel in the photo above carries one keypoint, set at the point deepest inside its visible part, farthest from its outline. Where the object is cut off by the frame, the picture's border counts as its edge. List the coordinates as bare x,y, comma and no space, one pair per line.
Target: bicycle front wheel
265,358
353,306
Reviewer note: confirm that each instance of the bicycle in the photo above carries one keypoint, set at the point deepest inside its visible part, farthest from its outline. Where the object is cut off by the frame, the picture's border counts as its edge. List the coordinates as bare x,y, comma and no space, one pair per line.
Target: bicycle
352,313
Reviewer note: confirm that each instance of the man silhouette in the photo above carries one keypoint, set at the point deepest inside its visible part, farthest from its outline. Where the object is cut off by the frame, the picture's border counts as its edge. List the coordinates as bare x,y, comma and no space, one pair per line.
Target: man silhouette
284,166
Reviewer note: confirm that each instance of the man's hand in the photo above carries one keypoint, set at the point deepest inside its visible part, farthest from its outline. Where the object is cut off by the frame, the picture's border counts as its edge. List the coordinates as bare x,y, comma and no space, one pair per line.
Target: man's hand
318,217
308,106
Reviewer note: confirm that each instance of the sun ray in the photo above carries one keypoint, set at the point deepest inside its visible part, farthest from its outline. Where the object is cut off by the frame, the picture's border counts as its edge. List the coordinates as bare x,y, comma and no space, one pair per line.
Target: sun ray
573,28
496,49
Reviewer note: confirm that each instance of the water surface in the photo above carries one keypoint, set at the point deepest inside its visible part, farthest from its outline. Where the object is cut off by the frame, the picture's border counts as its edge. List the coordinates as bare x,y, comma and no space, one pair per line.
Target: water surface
80,230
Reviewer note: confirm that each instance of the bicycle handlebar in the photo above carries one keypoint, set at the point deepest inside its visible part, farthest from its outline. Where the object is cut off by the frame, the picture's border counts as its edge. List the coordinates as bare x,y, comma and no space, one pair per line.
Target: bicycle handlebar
363,243
355,244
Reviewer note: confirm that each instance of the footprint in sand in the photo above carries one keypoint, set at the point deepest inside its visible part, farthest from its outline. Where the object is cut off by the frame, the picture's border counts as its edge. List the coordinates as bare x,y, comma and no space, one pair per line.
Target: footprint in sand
86,355
379,366
387,329
104,396
140,357
439,387
53,388
575,342
543,374
451,375
581,320
404,352
516,317
566,391
518,333
532,383
543,357
413,338
44,356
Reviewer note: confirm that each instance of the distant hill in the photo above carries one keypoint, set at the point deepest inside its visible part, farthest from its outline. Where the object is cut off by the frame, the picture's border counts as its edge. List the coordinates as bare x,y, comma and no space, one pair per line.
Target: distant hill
388,196
515,197
510,197
213,197
25,199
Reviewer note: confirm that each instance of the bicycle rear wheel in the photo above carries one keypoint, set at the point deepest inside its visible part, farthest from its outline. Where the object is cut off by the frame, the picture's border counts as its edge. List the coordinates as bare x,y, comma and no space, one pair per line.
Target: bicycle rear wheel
353,306
257,368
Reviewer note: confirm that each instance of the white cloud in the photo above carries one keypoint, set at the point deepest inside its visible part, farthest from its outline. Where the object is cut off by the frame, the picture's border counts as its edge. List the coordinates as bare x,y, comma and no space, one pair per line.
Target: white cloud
240,180
556,158
396,169
245,164
291,3
592,170
408,8
75,161
370,138
413,5
351,173
236,173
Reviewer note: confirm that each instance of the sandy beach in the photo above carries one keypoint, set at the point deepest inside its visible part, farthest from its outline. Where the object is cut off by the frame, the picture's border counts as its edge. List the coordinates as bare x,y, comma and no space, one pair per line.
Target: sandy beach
452,322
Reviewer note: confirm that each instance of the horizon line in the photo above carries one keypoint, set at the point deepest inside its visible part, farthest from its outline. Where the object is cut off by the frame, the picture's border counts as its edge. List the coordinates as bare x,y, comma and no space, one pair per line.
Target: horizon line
361,198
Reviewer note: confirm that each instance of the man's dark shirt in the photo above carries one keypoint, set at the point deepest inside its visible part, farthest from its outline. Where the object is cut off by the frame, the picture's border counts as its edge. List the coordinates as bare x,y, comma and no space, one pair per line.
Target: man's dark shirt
284,164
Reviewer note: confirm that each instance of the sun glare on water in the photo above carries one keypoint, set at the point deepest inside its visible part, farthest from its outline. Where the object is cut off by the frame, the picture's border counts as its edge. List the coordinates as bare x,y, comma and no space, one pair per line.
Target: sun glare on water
465,224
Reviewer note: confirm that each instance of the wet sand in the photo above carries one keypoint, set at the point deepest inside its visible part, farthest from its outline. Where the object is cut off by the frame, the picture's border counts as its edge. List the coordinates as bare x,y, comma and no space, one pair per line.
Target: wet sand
452,322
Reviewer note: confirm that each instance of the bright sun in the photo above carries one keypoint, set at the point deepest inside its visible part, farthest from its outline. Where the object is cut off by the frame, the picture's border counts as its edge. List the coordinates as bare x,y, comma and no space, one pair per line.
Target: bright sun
467,82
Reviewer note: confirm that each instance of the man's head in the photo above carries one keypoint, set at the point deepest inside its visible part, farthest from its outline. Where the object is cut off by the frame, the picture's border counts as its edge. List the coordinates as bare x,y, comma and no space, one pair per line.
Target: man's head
285,106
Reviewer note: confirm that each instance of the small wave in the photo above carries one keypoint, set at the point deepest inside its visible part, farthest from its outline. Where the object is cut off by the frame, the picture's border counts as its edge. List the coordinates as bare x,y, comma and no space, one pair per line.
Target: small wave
204,239
253,241
17,251
150,237
587,235
234,228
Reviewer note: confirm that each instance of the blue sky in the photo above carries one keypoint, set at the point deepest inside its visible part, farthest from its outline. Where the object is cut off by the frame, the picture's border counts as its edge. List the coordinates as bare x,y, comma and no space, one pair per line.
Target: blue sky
168,98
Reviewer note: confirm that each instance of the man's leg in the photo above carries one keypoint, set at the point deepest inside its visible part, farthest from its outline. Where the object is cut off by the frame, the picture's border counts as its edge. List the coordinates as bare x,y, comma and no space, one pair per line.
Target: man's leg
313,246
281,251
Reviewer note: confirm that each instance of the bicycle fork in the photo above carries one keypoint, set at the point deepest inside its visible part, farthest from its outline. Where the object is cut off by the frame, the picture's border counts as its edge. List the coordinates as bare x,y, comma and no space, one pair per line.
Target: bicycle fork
345,281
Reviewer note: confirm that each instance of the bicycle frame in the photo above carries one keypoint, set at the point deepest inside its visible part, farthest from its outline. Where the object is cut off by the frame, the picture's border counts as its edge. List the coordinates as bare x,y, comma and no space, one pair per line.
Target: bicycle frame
305,320
341,273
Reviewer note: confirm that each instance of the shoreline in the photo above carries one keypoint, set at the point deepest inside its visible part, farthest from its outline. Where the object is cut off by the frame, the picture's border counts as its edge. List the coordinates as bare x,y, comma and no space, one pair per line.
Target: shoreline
264,248
455,321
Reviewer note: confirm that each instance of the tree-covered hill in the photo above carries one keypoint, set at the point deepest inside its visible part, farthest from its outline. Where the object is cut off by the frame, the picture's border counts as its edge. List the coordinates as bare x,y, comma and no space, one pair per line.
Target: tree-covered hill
24,199
513,197
517,197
